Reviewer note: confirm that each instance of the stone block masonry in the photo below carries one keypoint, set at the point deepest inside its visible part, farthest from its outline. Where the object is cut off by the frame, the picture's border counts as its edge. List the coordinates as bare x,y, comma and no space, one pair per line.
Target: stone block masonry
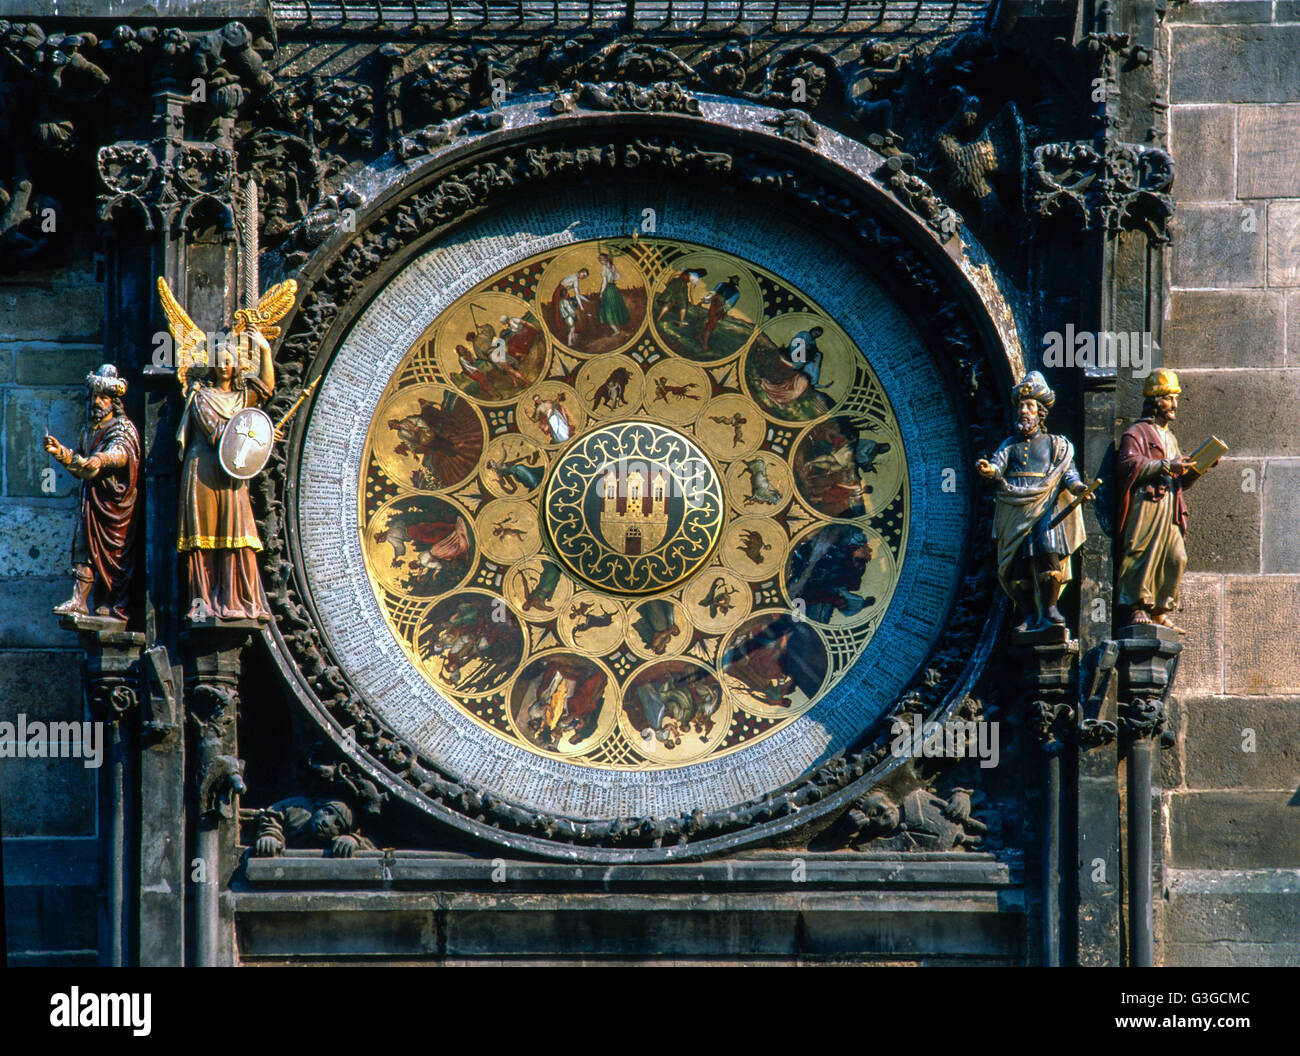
50,337
1233,333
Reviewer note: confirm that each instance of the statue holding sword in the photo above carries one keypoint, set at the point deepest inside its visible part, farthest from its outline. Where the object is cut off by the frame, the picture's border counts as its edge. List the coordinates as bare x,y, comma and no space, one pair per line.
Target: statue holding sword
225,439
1037,526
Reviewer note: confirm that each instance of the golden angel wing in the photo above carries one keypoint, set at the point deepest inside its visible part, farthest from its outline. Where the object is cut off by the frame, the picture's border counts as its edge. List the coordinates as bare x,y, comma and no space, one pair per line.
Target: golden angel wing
274,306
191,343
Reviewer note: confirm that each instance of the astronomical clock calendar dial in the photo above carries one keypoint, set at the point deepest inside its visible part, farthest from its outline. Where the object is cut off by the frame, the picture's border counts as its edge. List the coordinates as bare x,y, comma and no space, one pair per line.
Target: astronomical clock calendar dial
612,523
594,452
623,507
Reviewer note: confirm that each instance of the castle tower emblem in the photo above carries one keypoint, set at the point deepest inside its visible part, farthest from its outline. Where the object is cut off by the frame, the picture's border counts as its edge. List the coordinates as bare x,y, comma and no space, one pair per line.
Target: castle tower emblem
636,522
632,508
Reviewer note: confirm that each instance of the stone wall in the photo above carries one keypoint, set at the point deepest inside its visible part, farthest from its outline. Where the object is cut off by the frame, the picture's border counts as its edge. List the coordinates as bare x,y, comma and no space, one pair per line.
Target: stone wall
51,328
1232,851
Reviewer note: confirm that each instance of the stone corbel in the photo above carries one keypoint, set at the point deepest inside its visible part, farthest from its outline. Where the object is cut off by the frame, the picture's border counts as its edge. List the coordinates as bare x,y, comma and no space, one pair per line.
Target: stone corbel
1148,661
111,668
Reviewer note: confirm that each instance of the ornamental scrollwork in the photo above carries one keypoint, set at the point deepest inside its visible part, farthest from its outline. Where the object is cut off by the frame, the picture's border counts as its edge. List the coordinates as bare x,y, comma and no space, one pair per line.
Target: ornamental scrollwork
1123,187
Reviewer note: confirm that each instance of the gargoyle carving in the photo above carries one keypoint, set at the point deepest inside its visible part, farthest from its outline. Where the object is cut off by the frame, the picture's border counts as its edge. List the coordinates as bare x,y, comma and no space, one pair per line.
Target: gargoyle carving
303,822
918,821
220,777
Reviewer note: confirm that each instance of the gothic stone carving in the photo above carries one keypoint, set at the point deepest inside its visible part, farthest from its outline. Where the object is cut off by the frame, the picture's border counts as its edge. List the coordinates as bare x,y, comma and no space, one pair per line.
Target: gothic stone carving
44,79
199,181
50,83
219,776
303,822
1145,718
660,97
974,155
1050,722
917,821
1120,187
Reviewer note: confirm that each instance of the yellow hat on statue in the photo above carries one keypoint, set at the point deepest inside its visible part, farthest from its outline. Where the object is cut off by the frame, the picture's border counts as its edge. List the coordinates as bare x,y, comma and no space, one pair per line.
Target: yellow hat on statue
1161,383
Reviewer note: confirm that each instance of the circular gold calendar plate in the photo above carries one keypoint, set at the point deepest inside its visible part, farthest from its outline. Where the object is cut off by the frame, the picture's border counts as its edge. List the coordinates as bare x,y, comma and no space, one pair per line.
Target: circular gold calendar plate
634,504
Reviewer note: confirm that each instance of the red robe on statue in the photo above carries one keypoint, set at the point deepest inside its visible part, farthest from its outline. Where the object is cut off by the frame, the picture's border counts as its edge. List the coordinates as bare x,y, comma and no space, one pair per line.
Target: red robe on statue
1139,448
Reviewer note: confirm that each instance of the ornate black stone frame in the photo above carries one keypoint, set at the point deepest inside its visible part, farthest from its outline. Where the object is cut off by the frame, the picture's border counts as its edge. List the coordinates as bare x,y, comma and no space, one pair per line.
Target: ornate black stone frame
478,172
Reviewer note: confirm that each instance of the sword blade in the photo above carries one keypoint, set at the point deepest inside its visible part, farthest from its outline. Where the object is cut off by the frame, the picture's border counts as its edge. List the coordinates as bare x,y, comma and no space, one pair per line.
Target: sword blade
249,244
1077,500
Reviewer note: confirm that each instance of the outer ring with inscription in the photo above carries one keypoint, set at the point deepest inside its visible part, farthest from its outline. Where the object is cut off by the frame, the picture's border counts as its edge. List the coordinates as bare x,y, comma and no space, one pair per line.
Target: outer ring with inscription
972,319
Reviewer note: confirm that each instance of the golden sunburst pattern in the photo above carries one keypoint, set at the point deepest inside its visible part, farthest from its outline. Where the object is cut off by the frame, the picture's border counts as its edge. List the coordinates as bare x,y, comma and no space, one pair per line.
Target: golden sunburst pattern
634,503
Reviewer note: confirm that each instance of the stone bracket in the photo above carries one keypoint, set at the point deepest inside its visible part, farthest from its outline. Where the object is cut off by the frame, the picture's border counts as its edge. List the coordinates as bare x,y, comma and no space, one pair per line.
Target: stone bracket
110,663
1049,666
162,713
1149,655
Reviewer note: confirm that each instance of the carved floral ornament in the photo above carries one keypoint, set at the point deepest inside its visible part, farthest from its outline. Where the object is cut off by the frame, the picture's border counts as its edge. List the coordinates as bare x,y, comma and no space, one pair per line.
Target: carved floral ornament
199,175
439,196
1126,186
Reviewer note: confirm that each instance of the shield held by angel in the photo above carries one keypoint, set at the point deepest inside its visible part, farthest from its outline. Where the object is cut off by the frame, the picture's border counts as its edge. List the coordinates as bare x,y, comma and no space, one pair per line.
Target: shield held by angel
216,531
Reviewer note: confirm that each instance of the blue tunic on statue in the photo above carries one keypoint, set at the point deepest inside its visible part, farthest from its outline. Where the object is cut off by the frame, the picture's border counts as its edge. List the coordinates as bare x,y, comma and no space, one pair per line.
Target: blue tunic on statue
1024,463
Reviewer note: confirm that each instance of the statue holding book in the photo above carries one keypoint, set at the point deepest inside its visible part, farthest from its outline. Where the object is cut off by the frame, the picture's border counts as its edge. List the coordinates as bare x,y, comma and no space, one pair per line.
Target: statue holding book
1153,474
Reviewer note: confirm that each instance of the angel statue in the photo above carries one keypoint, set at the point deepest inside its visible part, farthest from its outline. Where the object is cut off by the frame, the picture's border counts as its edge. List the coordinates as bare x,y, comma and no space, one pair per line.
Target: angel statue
216,529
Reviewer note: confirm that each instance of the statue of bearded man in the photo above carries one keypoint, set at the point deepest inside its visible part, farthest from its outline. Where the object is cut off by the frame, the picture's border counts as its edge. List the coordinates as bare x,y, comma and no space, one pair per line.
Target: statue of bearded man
1034,474
107,462
1153,474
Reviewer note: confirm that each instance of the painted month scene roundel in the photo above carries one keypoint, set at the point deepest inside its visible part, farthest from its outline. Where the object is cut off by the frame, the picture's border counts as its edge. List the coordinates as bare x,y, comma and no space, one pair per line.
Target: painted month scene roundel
635,515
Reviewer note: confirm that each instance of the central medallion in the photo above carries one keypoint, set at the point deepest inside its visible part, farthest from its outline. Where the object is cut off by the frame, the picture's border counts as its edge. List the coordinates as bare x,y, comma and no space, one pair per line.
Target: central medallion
633,508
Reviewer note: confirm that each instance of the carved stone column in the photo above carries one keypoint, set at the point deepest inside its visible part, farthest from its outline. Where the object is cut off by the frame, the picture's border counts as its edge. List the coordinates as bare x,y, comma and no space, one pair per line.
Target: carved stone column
1048,663
111,675
212,665
1148,662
